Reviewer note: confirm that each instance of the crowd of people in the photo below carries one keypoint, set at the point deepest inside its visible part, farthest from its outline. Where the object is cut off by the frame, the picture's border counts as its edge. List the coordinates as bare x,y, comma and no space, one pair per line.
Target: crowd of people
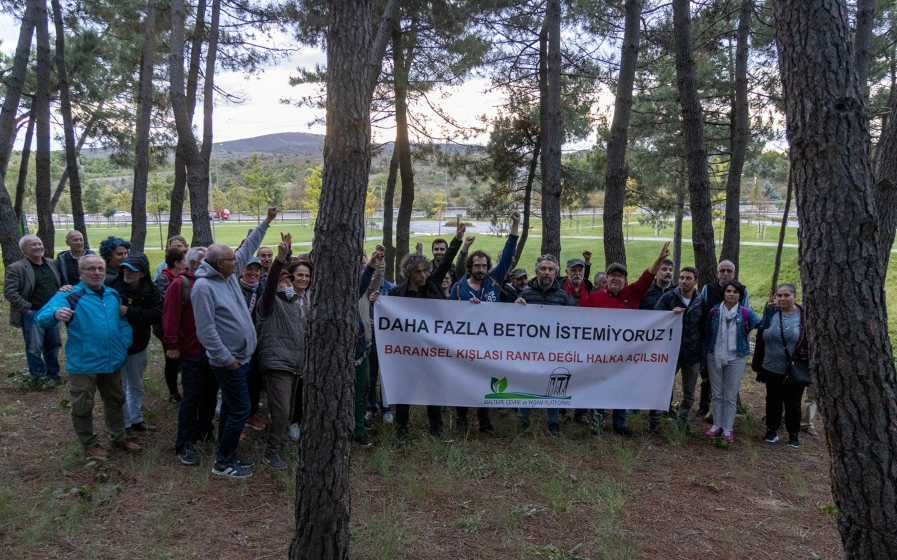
232,325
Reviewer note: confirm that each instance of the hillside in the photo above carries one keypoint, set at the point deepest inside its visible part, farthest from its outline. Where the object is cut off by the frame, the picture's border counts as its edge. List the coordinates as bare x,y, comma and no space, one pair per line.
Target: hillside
287,143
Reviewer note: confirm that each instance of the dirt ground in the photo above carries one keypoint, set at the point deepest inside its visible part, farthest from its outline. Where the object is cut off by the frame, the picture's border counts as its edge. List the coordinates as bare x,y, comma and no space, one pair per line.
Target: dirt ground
479,497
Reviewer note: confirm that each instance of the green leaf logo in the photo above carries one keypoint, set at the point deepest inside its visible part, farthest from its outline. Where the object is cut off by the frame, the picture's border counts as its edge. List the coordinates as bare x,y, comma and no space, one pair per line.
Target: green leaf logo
495,385
502,385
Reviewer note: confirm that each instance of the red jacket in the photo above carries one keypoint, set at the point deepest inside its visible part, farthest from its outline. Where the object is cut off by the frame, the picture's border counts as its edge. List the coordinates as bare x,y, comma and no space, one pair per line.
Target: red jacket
178,323
628,298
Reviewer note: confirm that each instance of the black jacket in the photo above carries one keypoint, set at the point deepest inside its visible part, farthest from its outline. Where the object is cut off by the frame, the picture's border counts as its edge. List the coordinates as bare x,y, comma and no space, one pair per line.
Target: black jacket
555,295
694,319
432,288
144,302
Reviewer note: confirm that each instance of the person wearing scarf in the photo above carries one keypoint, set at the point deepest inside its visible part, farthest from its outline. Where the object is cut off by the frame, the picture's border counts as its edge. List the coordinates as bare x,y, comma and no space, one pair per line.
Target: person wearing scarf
727,347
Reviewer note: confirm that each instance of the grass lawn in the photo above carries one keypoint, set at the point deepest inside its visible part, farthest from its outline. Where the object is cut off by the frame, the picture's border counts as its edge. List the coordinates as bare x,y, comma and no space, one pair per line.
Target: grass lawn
533,497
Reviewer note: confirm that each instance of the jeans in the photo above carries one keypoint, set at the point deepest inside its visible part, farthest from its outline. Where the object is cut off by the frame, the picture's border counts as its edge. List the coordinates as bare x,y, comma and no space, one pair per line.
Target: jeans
724,383
690,374
197,407
235,409
552,415
41,348
132,385
779,395
281,387
82,388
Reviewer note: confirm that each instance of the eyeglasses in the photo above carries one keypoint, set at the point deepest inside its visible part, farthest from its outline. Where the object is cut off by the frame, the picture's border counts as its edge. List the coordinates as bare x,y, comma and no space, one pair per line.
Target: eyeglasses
94,269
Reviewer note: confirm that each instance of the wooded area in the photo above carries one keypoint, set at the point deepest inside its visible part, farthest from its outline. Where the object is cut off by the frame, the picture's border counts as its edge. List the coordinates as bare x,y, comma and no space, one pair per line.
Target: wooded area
714,105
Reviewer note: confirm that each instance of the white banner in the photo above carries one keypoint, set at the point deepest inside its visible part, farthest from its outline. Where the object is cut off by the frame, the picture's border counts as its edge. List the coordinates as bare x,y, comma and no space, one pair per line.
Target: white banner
517,356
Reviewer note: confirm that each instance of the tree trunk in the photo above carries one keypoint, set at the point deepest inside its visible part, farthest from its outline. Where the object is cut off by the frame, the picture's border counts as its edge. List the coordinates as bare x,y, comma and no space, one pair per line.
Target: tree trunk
389,195
886,185
142,132
617,170
740,135
15,80
862,42
322,477
552,131
68,125
778,263
63,180
846,319
679,218
402,151
528,200
19,201
695,146
175,220
197,169
41,107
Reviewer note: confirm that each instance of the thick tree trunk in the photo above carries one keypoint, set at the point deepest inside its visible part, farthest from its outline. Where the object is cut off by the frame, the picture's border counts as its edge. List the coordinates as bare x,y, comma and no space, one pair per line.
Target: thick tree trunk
617,170
552,131
528,200
322,477
389,195
843,281
695,146
19,201
142,132
740,135
175,220
42,189
402,57
68,125
15,80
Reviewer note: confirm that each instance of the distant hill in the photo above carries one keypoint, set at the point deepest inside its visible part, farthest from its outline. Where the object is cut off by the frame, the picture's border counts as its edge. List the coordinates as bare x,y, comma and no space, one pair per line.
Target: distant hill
288,143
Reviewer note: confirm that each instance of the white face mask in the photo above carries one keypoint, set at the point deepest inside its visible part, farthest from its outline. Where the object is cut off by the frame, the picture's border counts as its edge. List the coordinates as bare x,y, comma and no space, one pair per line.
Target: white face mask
289,292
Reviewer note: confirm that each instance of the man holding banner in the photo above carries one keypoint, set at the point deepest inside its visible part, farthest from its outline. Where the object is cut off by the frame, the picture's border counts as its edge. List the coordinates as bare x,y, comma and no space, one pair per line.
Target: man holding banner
481,283
619,295
419,285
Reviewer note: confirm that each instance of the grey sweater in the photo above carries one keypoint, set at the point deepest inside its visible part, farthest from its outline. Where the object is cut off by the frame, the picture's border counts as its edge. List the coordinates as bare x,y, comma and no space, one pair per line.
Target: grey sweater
223,324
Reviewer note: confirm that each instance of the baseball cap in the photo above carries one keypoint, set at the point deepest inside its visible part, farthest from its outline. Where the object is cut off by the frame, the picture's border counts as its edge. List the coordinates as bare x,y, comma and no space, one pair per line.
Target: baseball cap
617,267
575,262
131,266
518,273
253,260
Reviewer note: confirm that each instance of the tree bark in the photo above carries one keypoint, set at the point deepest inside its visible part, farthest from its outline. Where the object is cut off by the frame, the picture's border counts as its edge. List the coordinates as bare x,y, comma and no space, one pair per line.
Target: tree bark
175,219
679,218
68,125
15,80
19,201
552,130
142,132
528,200
843,281
402,57
695,146
63,180
862,42
41,107
322,477
389,195
617,170
740,135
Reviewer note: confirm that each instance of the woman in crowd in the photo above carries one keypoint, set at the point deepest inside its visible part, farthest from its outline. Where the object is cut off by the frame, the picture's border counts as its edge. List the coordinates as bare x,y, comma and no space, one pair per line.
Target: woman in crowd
300,270
783,320
252,288
174,242
727,345
175,262
114,251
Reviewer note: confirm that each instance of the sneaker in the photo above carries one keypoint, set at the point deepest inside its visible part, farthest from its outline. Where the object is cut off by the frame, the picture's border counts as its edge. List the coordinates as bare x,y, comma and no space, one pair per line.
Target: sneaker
387,417
232,470
554,429
369,416
624,431
771,437
811,430
243,461
255,423
364,440
275,462
714,431
793,442
729,436
294,432
188,457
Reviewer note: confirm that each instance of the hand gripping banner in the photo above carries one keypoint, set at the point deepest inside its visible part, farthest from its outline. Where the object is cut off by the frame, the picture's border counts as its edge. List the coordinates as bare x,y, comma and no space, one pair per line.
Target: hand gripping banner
517,356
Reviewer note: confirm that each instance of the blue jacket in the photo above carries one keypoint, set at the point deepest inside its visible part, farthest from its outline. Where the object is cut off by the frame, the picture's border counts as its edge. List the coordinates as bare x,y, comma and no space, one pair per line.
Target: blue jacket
98,339
489,291
745,322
